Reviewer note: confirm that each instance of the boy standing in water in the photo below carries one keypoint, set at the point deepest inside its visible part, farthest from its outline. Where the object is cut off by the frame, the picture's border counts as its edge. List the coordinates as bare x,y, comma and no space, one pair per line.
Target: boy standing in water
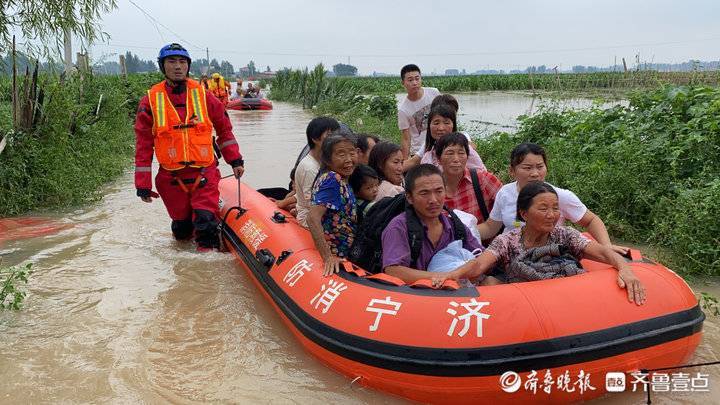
413,109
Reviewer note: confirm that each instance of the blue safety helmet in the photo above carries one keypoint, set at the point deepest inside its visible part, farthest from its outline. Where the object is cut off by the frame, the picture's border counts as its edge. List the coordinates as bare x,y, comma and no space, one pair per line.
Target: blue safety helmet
173,49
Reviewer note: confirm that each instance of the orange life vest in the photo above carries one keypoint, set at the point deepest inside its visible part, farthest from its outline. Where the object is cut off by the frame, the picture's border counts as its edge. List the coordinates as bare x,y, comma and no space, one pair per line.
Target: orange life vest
219,88
181,144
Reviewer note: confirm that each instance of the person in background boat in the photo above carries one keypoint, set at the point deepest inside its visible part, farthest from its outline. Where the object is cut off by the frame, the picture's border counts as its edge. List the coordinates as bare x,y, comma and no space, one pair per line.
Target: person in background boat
413,109
239,92
366,143
333,212
252,91
442,120
364,182
538,205
387,161
425,192
219,87
309,166
452,152
528,162
187,180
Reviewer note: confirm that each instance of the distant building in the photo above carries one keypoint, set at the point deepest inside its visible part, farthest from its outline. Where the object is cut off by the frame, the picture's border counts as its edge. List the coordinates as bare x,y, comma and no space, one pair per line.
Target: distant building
266,75
489,72
380,74
452,72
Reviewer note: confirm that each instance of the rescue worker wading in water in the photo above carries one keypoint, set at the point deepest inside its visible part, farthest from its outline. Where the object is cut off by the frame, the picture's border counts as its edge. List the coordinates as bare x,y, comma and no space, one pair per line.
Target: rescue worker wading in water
219,87
176,121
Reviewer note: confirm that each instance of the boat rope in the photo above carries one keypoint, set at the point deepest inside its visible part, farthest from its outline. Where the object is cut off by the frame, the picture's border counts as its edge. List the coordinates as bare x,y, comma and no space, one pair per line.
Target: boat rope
356,379
649,371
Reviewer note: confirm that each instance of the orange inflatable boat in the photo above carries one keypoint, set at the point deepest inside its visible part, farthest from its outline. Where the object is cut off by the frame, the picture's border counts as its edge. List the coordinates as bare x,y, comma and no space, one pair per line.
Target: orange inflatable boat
552,341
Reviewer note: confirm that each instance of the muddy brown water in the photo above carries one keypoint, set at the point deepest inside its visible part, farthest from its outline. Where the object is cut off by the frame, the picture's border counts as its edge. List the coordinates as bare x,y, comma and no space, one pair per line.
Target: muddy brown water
119,312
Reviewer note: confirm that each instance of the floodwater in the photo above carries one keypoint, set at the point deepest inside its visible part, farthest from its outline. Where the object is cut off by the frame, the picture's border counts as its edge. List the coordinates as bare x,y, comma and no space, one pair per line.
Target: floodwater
119,312
483,113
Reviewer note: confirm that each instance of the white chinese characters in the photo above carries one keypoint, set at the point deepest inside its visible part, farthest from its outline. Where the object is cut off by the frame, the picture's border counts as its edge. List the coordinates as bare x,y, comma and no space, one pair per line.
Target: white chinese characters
328,294
296,272
472,309
512,382
382,307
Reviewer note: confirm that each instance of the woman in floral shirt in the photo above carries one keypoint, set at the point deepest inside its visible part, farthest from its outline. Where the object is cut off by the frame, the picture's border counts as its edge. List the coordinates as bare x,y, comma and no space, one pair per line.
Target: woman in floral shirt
538,206
332,212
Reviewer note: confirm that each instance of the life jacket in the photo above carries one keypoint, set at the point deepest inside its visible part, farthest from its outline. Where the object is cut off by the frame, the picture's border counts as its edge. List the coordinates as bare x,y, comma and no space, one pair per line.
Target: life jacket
366,250
219,88
181,144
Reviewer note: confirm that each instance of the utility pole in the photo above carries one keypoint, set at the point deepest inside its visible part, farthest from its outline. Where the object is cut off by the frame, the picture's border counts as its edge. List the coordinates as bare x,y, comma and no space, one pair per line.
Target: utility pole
207,57
68,51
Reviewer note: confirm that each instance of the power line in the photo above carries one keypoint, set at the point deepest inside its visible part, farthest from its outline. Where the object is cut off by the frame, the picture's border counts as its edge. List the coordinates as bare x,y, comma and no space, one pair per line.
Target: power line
474,53
155,20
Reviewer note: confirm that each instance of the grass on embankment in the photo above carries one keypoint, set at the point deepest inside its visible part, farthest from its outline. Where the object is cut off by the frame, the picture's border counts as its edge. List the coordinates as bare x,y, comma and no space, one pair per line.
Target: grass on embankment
72,152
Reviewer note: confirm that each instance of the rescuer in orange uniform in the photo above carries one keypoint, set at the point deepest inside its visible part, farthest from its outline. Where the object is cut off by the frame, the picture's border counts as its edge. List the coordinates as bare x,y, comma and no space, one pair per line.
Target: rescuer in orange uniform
219,87
175,121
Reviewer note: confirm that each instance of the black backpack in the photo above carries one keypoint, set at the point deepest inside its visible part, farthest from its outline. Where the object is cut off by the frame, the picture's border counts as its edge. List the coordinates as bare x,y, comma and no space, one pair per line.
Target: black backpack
366,250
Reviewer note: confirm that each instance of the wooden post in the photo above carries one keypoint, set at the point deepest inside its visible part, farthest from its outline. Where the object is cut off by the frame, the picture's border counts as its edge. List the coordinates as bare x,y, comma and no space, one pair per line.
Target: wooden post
532,86
123,70
68,51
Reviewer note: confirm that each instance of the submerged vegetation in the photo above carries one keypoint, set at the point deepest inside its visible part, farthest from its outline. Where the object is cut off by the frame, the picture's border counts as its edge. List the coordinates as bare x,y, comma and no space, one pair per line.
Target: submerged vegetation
648,169
11,293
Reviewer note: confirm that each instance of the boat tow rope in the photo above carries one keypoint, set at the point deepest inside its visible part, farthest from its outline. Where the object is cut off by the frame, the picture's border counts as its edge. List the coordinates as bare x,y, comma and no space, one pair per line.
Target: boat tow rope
649,372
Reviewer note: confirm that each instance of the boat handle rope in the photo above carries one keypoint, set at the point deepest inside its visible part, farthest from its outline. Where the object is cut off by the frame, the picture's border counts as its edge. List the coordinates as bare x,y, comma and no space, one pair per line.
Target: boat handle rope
240,210
649,371
392,280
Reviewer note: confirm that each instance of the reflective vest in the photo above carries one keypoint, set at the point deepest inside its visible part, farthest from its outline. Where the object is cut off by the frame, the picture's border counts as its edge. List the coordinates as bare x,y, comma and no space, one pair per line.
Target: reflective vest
181,144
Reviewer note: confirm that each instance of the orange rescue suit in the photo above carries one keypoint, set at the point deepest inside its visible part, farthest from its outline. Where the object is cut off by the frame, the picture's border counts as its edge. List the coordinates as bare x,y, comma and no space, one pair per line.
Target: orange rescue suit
181,144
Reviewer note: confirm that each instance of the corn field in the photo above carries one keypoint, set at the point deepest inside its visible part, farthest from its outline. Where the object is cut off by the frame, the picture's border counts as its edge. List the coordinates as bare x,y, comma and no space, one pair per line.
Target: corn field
312,87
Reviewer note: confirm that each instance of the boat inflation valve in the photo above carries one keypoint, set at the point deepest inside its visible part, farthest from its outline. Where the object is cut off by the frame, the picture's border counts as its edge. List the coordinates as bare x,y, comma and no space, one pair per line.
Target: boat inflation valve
279,218
265,257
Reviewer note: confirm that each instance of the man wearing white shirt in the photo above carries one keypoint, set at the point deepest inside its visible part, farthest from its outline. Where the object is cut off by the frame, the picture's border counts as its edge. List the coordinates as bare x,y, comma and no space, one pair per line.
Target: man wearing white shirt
413,110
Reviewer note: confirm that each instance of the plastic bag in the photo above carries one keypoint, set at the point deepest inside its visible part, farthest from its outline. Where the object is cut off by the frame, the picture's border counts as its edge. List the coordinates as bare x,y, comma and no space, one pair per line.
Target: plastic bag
470,222
450,258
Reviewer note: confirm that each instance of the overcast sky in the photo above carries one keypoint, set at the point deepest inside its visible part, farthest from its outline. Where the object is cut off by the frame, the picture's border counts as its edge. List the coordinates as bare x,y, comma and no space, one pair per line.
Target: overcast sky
382,36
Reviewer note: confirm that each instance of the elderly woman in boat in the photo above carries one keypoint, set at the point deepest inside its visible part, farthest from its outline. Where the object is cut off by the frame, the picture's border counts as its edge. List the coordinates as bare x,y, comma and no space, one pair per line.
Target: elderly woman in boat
542,250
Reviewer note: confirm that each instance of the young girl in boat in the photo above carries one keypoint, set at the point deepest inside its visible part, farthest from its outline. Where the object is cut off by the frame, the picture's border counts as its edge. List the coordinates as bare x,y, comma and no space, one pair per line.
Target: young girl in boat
442,121
364,182
332,215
